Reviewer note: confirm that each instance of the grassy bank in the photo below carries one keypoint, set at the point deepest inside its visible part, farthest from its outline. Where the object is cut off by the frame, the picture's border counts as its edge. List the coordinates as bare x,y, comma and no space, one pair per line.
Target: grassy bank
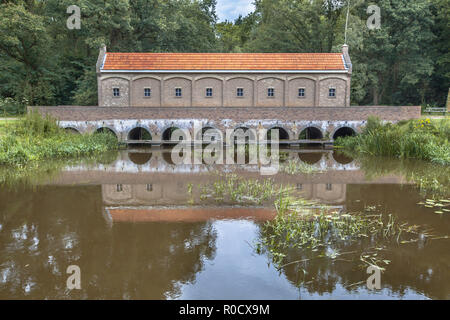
426,139
33,138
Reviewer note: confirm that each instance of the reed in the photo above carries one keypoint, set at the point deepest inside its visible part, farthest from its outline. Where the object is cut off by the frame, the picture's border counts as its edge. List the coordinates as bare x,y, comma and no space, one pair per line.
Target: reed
35,138
419,139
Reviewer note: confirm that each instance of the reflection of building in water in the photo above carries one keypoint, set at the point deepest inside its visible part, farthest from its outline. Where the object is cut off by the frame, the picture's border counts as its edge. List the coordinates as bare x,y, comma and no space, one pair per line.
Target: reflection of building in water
172,192
138,180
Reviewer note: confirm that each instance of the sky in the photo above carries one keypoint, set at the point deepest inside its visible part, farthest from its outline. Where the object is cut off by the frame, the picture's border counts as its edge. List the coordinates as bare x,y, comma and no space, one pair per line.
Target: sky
231,9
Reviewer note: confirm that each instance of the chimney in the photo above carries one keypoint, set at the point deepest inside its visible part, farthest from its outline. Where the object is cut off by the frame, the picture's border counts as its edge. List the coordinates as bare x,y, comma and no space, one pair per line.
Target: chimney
348,62
101,58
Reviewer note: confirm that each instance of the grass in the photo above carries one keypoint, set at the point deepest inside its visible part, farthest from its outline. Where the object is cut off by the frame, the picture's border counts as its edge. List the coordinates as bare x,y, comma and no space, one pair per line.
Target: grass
425,139
235,189
34,138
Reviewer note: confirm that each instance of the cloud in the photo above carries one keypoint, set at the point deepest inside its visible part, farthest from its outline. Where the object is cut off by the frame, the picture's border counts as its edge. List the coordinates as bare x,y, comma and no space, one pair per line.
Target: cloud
231,9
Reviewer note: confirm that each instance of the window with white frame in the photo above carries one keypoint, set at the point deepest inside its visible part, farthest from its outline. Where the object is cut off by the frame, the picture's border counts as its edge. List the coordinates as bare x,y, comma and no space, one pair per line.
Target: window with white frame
271,92
116,92
332,93
209,92
301,92
147,92
240,92
177,92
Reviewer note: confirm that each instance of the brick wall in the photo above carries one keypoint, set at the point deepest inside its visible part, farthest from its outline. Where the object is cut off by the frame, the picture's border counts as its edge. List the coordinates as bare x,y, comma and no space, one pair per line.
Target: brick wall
358,113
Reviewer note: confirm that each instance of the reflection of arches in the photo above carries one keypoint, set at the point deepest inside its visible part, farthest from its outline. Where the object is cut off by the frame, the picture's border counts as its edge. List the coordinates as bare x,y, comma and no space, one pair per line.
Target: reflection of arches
106,130
167,134
71,130
167,156
344,132
310,158
139,133
341,158
139,158
310,133
282,133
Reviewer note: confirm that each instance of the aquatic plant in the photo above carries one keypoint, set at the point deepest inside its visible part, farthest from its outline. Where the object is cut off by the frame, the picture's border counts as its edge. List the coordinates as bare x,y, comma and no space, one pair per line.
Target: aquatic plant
36,138
296,166
236,189
320,231
420,139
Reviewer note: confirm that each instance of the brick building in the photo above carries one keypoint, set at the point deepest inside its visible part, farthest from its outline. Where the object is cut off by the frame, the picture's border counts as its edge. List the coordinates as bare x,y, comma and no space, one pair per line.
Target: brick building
224,79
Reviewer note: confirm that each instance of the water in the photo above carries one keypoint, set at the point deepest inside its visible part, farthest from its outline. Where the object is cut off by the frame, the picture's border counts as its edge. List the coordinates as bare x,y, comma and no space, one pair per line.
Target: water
140,227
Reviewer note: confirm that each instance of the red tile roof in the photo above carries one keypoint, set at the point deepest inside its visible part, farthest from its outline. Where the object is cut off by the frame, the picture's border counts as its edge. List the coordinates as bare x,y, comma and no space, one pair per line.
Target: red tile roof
223,61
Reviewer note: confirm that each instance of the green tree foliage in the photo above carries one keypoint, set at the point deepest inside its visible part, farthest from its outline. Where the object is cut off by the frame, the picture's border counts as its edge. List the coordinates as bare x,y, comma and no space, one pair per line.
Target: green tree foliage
406,61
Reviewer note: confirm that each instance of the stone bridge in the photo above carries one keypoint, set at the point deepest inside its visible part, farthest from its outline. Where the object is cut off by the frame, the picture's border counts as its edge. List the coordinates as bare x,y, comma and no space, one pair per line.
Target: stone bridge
157,123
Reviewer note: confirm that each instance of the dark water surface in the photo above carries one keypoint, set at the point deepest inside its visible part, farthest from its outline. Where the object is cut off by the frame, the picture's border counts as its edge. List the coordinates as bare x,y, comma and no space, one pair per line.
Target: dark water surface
139,227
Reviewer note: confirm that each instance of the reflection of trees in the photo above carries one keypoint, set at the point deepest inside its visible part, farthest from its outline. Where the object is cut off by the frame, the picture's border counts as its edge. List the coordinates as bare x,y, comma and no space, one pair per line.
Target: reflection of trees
45,230
423,270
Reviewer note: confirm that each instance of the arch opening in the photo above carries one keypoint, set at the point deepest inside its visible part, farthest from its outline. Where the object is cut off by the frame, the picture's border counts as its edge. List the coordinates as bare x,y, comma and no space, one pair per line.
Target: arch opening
173,134
210,134
139,133
282,133
106,130
72,130
243,134
310,133
343,132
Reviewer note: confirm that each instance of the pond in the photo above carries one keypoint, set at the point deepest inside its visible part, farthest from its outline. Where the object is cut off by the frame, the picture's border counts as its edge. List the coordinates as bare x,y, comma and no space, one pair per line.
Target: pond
140,227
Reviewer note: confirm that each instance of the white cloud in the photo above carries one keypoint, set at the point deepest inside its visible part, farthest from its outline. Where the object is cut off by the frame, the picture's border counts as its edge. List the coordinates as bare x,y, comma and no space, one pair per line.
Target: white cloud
231,9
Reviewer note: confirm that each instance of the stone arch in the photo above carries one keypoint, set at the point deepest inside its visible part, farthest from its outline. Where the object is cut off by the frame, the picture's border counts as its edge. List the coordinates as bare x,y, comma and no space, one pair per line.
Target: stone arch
273,82
107,129
139,133
166,133
343,131
284,133
340,84
139,84
239,81
308,84
199,98
177,76
146,76
311,132
302,77
214,134
107,84
248,133
239,77
170,85
73,130
208,76
115,76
